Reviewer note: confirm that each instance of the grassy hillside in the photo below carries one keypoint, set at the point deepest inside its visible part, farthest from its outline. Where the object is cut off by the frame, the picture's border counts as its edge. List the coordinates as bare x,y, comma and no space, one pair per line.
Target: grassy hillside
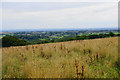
96,58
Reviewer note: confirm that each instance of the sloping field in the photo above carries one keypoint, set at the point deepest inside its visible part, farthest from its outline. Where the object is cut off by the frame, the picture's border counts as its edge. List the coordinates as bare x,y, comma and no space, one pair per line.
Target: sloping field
97,58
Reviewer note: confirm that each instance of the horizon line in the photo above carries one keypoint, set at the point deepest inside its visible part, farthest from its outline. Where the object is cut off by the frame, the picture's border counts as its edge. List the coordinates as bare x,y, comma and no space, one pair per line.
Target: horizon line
58,29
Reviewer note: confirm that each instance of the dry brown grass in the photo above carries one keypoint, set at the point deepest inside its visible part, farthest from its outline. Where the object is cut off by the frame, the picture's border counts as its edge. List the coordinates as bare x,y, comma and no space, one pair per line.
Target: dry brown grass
73,59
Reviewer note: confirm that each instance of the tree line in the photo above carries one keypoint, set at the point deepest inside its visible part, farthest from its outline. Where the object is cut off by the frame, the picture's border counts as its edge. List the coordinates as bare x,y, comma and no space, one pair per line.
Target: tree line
8,41
90,36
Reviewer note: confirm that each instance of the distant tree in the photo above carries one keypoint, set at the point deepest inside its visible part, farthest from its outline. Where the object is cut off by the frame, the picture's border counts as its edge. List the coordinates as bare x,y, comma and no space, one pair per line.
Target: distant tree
20,42
82,37
118,34
0,42
43,41
111,34
8,41
93,36
70,39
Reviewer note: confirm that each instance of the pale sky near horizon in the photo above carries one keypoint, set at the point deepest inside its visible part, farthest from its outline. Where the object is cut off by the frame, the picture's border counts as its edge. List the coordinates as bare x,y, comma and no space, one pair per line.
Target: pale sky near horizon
49,15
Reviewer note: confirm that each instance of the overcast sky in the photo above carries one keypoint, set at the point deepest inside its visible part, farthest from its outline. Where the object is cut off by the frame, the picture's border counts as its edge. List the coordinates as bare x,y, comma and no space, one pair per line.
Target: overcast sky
60,0
49,15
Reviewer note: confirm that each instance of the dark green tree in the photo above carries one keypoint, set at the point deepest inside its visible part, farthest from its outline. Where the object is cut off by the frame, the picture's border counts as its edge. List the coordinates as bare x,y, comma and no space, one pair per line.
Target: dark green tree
111,34
8,41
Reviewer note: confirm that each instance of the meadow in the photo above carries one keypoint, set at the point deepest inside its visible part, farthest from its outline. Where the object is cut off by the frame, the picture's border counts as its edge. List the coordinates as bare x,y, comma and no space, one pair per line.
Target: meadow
93,58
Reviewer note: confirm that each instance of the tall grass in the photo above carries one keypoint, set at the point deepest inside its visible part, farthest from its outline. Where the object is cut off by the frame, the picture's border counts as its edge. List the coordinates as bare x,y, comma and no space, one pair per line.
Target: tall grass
73,59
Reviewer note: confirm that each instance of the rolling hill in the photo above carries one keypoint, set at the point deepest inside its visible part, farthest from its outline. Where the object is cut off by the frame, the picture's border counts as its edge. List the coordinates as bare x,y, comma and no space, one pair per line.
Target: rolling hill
95,58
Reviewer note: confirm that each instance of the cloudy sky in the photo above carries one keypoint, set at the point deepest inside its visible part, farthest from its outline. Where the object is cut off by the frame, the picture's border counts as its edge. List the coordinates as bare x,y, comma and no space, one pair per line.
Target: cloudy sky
59,15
